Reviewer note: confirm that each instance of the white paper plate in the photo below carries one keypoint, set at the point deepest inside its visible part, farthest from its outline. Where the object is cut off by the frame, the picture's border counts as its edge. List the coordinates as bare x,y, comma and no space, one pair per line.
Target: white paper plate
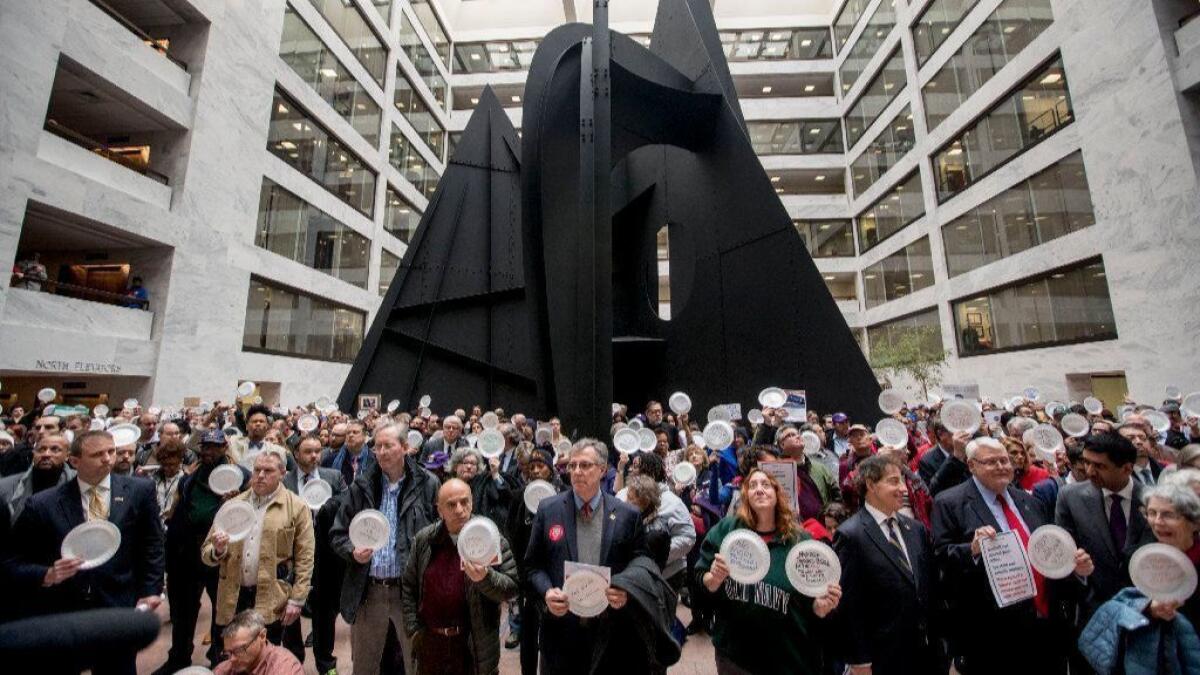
1163,572
225,479
680,403
1031,393
891,432
543,435
747,556
718,435
646,439
755,416
1052,552
635,424
235,518
369,529
100,410
489,420
393,405
479,541
316,492
246,388
308,423
95,542
812,442
323,403
1046,437
46,395
772,397
1075,425
1158,420
961,415
684,473
1190,406
415,438
535,492
97,424
626,440
1173,392
562,447
698,441
491,443
586,593
125,434
890,401
718,413
194,670
425,401
1093,405
811,567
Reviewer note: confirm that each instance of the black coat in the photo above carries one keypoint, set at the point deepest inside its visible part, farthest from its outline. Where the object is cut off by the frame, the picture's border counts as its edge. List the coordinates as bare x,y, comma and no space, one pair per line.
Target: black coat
136,571
930,462
885,615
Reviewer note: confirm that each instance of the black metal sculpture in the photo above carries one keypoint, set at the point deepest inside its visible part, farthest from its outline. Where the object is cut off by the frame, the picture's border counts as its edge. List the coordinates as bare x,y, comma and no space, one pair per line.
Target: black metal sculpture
543,297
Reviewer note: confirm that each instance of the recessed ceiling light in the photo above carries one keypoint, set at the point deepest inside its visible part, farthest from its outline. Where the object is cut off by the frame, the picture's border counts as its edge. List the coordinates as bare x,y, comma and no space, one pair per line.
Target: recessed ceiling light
767,89
805,43
1051,78
775,179
820,177
830,277
474,57
810,87
814,132
474,101
516,99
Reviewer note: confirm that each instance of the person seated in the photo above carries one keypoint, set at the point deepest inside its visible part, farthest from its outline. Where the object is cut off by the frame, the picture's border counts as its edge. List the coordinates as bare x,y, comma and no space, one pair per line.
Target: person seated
246,645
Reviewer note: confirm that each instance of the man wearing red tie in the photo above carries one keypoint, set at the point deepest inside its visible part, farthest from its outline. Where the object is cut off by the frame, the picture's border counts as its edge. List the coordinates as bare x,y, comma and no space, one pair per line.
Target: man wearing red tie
963,517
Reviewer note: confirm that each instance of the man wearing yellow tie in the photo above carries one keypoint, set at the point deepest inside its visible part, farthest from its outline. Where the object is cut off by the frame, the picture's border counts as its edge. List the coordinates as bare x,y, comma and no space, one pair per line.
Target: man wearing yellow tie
132,577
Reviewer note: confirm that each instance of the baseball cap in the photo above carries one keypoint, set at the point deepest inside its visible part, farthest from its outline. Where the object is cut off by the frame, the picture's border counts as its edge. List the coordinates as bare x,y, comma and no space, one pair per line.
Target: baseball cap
838,418
213,437
859,427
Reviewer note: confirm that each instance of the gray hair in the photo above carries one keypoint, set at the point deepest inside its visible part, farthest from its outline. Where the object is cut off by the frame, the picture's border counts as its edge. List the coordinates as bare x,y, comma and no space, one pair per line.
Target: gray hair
462,453
1186,477
272,450
1017,426
782,430
249,619
646,492
399,428
1181,497
596,445
983,442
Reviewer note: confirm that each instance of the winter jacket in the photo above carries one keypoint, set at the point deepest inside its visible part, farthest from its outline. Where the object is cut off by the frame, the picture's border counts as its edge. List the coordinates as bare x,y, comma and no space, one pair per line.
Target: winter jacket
1120,639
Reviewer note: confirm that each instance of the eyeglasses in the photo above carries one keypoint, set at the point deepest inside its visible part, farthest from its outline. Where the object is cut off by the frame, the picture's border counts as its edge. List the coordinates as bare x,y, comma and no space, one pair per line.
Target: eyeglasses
572,467
238,651
994,463
1166,516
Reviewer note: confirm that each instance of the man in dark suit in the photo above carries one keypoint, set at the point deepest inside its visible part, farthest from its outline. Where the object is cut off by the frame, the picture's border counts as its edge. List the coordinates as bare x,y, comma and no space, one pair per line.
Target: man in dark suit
943,448
888,577
584,525
132,577
963,516
1146,469
354,457
450,440
328,568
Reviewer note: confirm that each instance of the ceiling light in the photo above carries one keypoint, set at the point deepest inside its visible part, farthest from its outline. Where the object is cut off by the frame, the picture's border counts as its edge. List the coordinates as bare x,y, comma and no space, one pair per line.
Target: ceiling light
1051,78
830,277
810,87
778,191
329,72
775,179
901,128
296,126
288,145
516,99
767,89
474,57
955,151
868,276
282,108
805,43
1057,276
814,132
820,177
918,275
1009,29
474,101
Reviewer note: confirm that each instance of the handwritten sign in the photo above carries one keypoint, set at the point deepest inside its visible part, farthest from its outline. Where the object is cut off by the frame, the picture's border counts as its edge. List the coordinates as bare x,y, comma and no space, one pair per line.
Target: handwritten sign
1007,568
585,587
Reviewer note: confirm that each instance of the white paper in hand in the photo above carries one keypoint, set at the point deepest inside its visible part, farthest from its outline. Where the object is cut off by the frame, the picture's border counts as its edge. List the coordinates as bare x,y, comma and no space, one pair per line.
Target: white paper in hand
1008,569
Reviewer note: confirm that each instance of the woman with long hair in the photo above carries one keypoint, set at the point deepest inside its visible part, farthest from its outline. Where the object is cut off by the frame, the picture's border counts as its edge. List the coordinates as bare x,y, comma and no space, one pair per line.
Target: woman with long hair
768,627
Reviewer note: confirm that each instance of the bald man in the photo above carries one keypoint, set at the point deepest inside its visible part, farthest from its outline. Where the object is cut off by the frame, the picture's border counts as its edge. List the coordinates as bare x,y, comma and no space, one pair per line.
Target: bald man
452,606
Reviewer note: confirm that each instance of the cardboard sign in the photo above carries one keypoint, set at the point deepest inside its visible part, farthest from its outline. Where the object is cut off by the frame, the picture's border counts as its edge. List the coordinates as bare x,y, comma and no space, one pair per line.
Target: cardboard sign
784,471
796,406
1008,569
967,391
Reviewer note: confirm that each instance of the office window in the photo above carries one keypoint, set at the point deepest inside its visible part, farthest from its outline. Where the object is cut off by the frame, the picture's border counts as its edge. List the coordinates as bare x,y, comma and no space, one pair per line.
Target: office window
1048,205
808,181
433,28
872,38
399,216
389,263
847,19
411,164
1065,306
312,150
795,137
827,238
885,86
935,25
290,227
904,272
841,285
883,152
776,44
422,60
924,324
315,63
494,57
1036,110
410,104
1002,36
292,323
384,7
348,21
892,212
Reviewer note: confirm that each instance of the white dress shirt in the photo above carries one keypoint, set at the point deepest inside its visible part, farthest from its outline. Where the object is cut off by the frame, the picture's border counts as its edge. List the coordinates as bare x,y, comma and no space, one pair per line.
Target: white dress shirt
881,519
85,494
253,541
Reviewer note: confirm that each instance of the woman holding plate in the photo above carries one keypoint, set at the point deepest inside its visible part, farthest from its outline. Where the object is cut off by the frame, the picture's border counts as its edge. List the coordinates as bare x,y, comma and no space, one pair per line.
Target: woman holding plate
769,611
1173,512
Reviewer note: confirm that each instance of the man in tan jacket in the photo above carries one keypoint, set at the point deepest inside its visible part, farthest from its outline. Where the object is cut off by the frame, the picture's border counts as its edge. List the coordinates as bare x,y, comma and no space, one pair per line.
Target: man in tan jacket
269,570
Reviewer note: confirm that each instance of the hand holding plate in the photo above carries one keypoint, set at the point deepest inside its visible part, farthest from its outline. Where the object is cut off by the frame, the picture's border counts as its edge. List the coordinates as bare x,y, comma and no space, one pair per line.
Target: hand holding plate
63,569
1083,563
556,602
475,572
825,604
717,573
150,602
363,555
616,597
1162,610
220,542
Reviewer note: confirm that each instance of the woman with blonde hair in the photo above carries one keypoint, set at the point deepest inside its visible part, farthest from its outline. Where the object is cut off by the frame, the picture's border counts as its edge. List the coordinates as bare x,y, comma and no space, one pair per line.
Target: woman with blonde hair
771,612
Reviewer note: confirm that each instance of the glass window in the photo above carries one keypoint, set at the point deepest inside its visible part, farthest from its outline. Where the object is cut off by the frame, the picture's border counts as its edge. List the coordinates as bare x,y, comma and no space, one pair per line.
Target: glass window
780,44
827,238
883,152
311,149
410,104
893,211
399,216
796,137
887,83
285,321
873,36
1064,306
1003,35
906,271
808,181
935,25
841,285
304,52
411,45
494,57
662,260
389,263
432,24
924,324
847,19
348,21
384,7
1048,205
297,230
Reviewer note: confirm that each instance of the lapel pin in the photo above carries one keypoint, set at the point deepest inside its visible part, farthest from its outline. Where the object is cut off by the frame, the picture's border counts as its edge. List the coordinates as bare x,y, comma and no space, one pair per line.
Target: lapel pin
612,516
118,499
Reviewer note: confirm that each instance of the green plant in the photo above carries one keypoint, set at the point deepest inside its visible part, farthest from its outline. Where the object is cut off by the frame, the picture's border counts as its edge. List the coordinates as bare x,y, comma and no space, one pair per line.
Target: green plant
914,352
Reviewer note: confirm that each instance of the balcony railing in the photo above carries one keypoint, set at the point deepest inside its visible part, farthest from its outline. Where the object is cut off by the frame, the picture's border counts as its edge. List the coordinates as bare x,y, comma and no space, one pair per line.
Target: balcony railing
80,292
156,44
103,150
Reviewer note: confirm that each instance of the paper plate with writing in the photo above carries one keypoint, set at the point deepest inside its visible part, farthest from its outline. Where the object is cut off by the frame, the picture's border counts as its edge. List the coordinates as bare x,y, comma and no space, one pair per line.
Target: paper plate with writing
646,439
235,518
890,401
491,443
747,556
812,442
1162,572
369,529
772,397
1158,420
415,438
718,435
1075,425
479,541
308,423
1052,552
1046,437
225,479
94,542
125,434
316,492
811,567
961,415
1191,405
684,473
535,492
1093,405
626,440
680,403
489,420
891,432
585,591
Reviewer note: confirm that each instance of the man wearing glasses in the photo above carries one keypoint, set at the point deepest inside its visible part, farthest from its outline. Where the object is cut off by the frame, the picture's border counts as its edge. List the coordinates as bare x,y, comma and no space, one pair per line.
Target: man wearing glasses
583,525
247,649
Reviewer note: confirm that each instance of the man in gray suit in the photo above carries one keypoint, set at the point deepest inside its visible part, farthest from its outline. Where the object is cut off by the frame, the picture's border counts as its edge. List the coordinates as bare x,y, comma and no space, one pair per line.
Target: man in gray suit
450,440
1102,515
327,567
48,470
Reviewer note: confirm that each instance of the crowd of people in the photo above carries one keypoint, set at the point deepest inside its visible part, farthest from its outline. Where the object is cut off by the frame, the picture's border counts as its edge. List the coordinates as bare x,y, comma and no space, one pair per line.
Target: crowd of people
907,522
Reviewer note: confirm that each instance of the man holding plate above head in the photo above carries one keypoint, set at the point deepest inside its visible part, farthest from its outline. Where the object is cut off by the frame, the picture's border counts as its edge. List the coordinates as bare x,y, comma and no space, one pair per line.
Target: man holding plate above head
451,603
269,566
125,570
403,494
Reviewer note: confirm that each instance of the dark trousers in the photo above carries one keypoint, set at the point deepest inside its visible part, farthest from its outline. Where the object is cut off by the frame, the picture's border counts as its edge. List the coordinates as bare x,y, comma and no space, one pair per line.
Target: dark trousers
443,655
531,622
324,601
187,578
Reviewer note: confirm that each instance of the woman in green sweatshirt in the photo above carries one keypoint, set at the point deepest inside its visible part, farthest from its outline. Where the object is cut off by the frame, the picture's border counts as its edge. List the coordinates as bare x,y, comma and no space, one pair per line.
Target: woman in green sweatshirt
767,627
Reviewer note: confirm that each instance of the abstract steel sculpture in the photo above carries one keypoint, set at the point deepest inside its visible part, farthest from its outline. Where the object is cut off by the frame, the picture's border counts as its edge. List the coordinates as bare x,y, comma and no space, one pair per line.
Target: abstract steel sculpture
532,280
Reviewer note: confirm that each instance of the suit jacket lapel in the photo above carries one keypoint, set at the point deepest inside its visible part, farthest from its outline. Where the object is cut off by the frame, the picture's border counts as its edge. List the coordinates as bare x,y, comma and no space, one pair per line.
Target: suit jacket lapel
72,506
608,511
118,499
1099,523
982,510
569,526
879,538
1028,507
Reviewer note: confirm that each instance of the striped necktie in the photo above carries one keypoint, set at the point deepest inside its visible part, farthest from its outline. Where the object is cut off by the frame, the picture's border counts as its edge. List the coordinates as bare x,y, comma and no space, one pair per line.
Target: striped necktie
97,508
